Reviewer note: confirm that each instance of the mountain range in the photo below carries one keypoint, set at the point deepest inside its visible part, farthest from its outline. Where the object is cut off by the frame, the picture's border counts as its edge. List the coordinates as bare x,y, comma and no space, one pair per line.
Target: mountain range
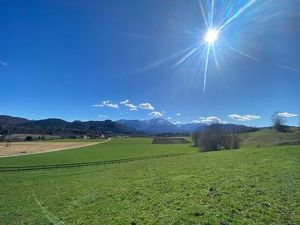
55,126
121,127
158,125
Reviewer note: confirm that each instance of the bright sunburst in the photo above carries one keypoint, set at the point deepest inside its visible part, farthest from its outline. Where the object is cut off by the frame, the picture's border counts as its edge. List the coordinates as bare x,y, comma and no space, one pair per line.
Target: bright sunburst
211,36
224,17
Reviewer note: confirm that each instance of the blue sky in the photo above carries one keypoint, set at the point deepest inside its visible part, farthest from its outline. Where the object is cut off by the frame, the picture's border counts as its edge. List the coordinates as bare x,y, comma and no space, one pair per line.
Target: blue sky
78,60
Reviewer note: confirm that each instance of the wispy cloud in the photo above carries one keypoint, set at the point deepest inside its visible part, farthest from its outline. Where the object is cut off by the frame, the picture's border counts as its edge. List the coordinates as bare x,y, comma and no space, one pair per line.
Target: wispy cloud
131,107
102,116
196,121
124,102
156,114
146,106
98,105
244,117
211,120
110,104
178,123
286,114
297,70
3,63
107,103
178,114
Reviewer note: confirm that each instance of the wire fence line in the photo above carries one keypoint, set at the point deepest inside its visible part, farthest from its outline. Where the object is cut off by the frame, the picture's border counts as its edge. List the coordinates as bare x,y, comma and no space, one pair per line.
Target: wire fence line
84,164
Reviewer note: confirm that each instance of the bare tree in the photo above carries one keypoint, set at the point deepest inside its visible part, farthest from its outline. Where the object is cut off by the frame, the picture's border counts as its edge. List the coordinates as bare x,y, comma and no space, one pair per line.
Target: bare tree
212,138
232,141
278,121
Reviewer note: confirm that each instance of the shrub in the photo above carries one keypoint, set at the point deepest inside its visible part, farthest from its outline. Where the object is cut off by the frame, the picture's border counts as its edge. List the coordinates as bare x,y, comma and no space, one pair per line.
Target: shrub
28,138
212,138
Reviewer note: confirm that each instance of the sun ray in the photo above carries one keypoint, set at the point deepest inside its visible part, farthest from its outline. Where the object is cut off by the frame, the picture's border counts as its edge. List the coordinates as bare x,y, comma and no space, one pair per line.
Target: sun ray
213,36
162,61
206,68
212,13
237,14
243,53
215,58
288,68
203,14
187,55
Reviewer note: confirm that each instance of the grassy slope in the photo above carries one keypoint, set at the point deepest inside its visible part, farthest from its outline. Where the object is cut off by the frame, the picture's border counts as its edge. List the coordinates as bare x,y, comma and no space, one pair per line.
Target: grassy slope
269,137
259,186
115,149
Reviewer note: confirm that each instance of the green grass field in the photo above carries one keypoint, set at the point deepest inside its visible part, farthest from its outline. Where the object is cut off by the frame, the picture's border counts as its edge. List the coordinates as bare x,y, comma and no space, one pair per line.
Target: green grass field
118,148
248,186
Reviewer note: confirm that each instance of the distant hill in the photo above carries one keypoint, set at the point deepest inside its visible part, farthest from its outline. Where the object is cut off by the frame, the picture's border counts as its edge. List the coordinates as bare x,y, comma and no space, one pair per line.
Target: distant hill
158,125
10,120
238,128
191,127
54,126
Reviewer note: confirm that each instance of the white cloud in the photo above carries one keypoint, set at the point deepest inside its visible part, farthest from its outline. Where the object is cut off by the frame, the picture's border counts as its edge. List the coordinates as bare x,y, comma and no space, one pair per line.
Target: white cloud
211,120
131,107
146,106
110,104
98,105
3,63
169,118
178,114
244,117
286,114
102,116
124,102
163,112
156,114
196,121
177,123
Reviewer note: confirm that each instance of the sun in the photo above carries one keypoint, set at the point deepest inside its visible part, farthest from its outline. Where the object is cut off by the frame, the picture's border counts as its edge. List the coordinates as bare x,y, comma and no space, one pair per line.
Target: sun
211,36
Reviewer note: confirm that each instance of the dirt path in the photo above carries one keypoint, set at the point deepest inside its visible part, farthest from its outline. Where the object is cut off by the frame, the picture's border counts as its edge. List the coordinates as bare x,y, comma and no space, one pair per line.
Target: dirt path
28,148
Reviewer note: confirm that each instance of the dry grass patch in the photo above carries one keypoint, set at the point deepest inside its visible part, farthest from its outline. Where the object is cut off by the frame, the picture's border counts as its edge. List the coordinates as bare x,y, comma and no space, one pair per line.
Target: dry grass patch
25,148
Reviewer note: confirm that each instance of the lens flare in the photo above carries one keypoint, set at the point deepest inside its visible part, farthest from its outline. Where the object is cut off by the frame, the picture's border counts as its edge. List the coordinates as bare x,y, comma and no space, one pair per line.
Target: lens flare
225,28
211,36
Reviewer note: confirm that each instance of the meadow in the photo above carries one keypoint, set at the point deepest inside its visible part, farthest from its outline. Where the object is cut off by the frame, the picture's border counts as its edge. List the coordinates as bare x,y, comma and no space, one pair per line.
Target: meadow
247,186
116,148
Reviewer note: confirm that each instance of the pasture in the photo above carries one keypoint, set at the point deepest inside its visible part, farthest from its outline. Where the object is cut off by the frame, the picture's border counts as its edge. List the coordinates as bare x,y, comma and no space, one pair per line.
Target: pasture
117,148
248,186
